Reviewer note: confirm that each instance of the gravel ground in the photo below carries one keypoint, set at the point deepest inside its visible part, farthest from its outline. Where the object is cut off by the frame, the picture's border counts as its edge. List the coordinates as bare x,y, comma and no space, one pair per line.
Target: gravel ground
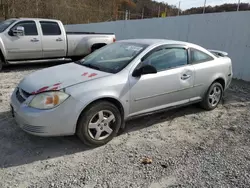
189,147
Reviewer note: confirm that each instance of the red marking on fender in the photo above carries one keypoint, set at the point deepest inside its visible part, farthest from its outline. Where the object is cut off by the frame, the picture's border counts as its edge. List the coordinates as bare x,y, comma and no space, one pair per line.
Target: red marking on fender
85,74
54,88
57,84
42,89
92,75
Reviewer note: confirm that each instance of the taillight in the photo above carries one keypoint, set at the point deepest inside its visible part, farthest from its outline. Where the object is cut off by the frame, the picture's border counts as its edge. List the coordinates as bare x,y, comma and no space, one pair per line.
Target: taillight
114,39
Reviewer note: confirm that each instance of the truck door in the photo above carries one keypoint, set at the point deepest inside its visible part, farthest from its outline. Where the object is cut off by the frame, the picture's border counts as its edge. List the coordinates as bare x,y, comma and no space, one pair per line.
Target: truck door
54,41
24,46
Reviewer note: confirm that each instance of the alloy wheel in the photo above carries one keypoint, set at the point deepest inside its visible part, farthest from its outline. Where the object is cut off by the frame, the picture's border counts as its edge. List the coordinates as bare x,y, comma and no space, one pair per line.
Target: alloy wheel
215,96
100,126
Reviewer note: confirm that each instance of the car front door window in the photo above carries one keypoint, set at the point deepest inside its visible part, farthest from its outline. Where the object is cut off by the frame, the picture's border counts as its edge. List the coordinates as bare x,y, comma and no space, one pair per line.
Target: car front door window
167,58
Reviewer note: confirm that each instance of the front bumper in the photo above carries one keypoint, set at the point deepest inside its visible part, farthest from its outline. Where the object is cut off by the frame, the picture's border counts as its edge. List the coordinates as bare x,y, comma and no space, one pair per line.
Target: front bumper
59,121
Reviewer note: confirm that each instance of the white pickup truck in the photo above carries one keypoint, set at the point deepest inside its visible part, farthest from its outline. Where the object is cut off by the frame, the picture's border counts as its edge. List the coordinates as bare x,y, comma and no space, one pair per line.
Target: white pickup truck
41,40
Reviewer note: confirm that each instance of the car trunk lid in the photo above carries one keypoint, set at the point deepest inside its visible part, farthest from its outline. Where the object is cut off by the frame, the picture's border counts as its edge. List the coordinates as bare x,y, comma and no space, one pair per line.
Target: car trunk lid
219,53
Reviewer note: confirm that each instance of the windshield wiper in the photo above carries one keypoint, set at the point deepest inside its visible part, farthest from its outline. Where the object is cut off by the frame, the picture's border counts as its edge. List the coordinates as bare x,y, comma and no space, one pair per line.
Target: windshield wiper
91,66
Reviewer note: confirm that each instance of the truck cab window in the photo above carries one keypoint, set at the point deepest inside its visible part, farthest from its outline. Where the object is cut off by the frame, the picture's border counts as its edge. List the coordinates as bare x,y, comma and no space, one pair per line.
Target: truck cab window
30,28
50,28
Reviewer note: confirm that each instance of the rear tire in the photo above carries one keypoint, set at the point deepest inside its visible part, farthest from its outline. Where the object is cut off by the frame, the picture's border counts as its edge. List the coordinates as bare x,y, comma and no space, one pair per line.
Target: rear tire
213,97
99,124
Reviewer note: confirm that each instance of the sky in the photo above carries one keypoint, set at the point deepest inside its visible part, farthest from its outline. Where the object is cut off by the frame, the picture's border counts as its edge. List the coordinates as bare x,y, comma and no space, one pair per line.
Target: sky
186,4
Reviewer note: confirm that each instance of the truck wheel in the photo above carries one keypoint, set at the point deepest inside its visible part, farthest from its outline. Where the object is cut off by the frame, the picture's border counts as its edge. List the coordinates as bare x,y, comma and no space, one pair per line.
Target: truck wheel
74,59
213,96
99,124
97,46
2,61
1,64
93,49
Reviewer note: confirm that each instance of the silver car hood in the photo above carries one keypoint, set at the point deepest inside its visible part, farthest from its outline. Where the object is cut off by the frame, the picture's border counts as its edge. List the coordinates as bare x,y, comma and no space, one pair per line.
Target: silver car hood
58,77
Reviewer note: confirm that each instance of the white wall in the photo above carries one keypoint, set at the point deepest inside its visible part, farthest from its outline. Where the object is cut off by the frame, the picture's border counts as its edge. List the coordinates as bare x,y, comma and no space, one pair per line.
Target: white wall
228,32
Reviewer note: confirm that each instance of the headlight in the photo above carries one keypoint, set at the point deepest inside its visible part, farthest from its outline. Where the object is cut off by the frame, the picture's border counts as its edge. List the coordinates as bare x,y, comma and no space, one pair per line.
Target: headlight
48,100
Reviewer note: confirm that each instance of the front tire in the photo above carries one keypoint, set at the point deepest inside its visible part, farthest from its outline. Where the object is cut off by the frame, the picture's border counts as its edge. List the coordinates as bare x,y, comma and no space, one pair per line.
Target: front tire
99,124
213,96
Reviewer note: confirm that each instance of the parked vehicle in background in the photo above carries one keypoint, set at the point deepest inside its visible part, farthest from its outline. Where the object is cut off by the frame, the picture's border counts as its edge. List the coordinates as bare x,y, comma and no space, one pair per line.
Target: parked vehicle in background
96,95
39,40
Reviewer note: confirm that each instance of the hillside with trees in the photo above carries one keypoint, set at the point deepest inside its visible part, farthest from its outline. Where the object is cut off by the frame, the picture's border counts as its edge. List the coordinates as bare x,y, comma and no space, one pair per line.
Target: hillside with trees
221,8
89,11
84,11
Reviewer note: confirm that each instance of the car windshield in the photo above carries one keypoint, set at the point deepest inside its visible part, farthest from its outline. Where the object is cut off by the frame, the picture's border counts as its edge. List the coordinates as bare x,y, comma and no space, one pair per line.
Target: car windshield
5,24
113,57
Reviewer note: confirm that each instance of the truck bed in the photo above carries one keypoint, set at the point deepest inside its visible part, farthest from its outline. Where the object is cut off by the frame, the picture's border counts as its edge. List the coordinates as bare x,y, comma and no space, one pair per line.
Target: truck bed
85,33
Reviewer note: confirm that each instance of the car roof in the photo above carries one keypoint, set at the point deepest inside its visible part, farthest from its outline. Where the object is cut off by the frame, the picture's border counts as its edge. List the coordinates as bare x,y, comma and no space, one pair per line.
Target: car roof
35,19
157,41
153,42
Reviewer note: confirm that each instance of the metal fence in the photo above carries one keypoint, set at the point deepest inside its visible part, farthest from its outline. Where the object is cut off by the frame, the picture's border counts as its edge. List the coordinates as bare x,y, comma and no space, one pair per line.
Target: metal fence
220,31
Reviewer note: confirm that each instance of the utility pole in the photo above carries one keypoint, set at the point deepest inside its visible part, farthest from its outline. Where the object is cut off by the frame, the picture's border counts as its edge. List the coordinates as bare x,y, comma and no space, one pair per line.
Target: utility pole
204,9
37,8
179,8
112,10
238,7
99,9
142,15
53,8
159,10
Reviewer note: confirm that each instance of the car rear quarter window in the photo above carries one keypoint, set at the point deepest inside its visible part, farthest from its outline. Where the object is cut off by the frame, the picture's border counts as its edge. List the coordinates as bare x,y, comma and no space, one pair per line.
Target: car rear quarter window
167,58
199,57
50,28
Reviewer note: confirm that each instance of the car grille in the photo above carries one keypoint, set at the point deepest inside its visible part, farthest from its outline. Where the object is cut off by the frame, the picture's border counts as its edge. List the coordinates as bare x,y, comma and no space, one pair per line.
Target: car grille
21,95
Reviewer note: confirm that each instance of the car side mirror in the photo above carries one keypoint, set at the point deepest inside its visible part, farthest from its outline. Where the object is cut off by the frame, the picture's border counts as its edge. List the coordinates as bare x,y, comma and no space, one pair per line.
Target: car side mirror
19,31
144,69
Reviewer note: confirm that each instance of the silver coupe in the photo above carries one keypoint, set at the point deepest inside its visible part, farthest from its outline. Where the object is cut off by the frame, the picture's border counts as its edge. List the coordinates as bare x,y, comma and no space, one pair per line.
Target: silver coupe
93,97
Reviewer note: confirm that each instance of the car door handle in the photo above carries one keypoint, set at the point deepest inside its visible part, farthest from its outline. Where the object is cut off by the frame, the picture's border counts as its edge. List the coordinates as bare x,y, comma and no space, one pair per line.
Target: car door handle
34,40
185,76
59,40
